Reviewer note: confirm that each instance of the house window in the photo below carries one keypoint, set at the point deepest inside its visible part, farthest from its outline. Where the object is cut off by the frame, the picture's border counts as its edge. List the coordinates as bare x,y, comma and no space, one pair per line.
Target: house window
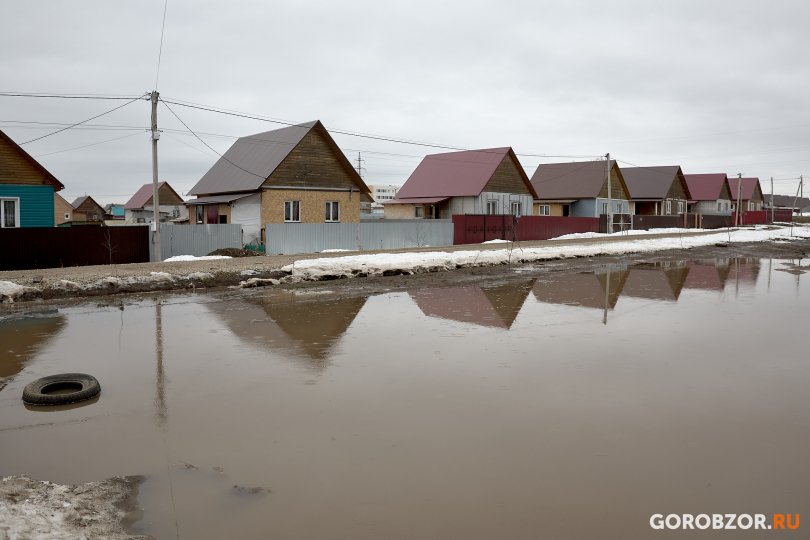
67,216
419,211
545,210
680,207
9,213
292,211
619,208
332,211
223,219
200,213
492,207
719,207
669,207
604,208
516,206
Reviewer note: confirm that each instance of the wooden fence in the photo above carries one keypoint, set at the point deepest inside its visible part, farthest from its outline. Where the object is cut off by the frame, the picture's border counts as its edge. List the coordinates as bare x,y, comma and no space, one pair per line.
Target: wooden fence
52,247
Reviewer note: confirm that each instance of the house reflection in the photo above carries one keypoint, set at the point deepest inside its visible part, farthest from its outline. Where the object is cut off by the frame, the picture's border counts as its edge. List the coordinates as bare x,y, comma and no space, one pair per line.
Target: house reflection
302,325
656,281
494,306
598,290
23,338
707,274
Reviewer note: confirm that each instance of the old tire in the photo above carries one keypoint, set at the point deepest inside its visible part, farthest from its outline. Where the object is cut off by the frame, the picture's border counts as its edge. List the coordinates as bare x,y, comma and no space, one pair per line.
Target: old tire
61,389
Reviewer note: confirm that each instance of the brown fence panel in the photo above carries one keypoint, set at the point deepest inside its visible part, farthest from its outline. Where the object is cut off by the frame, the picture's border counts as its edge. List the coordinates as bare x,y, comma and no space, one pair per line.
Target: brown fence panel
785,216
715,222
52,247
474,229
621,222
657,222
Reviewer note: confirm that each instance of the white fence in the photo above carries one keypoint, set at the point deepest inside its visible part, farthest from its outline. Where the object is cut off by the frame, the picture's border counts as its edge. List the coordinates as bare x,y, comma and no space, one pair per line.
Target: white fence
197,240
288,238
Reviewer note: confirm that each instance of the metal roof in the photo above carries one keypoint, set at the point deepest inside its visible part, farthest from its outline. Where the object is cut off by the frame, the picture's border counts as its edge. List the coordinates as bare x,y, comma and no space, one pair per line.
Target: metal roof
574,180
749,186
650,183
416,200
218,199
456,174
144,196
250,160
705,187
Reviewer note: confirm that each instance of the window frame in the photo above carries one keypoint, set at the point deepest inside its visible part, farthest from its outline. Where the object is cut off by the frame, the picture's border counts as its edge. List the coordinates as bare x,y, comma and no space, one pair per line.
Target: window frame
544,210
492,207
199,214
516,208
668,207
295,208
16,202
605,208
330,208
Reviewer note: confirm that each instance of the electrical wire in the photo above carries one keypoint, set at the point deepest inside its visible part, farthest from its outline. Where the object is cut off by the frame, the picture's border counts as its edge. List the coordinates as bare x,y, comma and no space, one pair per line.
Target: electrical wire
92,144
64,96
82,122
160,49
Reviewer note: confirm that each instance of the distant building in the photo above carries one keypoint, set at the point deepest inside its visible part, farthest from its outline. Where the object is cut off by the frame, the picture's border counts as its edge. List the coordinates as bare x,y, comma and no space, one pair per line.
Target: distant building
788,202
750,193
579,189
62,210
709,194
86,209
380,194
114,211
139,208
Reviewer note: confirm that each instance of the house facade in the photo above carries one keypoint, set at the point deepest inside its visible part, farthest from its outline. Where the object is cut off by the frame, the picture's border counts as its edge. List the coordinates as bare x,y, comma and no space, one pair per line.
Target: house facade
709,194
749,191
579,189
62,210
86,209
489,181
26,188
140,209
296,174
656,191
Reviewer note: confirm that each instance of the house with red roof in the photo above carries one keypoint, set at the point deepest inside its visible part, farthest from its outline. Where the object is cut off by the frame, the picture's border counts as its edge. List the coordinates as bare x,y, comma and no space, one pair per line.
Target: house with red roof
579,189
750,193
656,191
139,208
488,181
709,194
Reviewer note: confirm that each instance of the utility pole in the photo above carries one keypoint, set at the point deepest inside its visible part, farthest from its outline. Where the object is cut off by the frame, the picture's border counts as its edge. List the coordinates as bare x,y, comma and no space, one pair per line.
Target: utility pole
609,216
772,205
801,192
155,199
737,217
360,165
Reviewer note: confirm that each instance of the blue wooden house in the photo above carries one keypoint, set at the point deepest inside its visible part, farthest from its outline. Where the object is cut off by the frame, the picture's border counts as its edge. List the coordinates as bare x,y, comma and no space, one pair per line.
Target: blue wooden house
26,188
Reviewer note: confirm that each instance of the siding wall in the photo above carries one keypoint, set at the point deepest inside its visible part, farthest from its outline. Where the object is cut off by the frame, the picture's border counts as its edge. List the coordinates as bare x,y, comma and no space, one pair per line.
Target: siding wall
313,205
709,208
36,203
60,208
197,240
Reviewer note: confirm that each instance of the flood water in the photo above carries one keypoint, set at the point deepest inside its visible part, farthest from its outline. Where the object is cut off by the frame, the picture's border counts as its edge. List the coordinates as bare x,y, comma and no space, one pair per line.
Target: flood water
539,405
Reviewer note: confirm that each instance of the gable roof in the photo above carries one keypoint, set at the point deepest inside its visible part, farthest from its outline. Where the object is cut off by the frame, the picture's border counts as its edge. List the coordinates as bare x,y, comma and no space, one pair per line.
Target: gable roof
787,201
51,179
705,187
749,186
457,174
143,196
650,182
573,180
252,159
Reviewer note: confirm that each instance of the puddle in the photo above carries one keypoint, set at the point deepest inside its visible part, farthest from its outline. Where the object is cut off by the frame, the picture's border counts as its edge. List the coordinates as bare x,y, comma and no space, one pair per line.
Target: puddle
549,404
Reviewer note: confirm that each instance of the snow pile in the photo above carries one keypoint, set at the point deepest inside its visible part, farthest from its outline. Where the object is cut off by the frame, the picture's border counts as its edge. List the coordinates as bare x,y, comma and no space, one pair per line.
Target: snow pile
334,250
10,291
496,242
32,509
432,261
575,236
258,282
200,275
182,258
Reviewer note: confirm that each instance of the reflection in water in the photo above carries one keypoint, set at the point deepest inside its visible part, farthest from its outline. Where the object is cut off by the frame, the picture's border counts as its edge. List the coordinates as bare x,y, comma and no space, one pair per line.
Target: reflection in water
496,306
302,324
707,274
23,338
599,290
160,378
656,281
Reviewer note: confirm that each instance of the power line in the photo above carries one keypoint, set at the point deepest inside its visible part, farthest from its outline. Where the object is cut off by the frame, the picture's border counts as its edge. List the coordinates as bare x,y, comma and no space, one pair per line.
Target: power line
160,49
82,122
91,144
64,96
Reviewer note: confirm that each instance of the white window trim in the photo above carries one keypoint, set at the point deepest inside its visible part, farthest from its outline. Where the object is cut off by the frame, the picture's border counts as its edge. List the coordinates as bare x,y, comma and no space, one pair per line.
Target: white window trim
418,209
516,208
16,201
493,203
668,207
291,212
330,205
544,210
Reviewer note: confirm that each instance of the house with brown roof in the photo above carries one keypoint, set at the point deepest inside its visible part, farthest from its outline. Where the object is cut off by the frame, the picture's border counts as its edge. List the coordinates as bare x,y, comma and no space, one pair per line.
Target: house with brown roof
295,174
579,189
86,209
750,193
709,194
140,209
26,188
787,202
62,210
656,191
488,181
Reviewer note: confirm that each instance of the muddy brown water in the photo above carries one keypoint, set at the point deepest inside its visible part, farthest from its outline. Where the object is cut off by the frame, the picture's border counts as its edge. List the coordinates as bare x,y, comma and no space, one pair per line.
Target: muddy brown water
537,405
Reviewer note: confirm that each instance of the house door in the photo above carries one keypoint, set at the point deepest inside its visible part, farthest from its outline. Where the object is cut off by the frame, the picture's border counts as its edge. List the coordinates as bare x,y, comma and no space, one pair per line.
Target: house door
566,210
212,211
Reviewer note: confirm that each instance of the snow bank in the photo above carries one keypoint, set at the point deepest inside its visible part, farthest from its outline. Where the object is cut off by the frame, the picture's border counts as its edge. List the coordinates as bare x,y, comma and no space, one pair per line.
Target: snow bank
496,242
574,236
10,291
32,509
181,258
412,263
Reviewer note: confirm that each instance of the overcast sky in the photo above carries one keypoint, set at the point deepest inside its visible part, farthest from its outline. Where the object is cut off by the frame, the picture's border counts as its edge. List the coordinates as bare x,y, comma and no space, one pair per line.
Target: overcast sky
711,86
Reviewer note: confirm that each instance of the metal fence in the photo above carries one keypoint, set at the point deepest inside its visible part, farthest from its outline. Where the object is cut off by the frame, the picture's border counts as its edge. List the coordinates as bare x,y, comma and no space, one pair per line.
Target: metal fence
477,228
197,240
288,238
53,247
